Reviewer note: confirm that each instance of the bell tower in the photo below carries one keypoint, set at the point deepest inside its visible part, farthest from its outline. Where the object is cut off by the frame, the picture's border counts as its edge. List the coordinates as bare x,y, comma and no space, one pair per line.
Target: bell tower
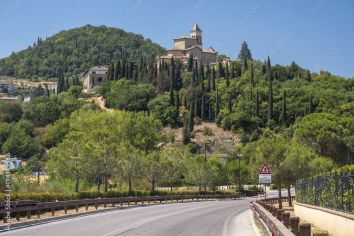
196,33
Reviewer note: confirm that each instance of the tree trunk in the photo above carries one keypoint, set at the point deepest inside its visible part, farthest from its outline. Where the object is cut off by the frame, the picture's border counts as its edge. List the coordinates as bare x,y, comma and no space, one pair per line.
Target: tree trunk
130,187
77,183
38,176
289,197
153,184
99,185
105,182
279,196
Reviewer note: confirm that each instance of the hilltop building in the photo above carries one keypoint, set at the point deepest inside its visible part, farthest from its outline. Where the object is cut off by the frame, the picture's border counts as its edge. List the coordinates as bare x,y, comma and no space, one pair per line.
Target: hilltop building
190,45
94,77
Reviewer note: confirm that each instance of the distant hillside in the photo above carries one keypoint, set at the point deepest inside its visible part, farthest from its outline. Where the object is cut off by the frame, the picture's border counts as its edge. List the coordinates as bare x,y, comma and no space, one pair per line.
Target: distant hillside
69,52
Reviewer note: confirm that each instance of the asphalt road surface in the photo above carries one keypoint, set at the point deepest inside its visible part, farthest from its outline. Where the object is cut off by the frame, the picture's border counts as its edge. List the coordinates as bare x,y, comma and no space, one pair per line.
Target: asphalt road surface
226,217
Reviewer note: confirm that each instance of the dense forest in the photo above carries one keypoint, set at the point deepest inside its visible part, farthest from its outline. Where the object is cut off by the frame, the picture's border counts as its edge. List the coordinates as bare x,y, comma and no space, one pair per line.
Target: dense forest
284,115
70,52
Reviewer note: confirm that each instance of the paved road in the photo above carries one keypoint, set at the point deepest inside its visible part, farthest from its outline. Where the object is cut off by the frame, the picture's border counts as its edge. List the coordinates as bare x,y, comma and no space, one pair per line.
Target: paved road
219,218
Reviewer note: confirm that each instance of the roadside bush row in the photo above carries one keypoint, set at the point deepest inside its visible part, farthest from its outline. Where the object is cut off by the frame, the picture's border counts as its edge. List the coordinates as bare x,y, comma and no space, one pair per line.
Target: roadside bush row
48,197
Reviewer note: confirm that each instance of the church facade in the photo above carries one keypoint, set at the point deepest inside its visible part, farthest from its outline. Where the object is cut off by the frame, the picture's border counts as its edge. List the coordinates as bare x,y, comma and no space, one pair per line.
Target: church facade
186,46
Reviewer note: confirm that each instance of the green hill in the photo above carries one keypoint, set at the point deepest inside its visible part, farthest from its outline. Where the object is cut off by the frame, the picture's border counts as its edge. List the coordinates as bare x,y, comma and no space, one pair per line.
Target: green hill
69,52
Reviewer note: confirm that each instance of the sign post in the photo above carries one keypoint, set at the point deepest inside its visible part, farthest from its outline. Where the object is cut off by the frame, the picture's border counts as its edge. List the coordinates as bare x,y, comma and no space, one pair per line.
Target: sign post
265,177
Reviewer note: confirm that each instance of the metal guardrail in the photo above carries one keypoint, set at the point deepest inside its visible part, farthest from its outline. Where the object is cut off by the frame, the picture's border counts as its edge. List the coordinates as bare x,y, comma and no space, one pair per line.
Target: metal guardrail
18,208
334,191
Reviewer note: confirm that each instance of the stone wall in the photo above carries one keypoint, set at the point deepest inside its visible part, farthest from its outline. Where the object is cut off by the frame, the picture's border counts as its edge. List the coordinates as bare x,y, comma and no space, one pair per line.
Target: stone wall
335,222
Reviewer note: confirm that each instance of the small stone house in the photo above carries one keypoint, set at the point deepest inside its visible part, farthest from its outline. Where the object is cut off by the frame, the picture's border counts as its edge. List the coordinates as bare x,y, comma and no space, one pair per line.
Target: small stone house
94,77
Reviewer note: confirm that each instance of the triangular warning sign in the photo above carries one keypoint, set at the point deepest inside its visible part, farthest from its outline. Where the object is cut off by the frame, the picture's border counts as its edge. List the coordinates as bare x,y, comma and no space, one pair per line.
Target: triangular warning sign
265,169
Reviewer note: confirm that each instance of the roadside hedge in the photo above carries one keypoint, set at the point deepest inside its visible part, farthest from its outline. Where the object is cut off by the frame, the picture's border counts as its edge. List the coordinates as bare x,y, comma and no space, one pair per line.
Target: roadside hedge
49,197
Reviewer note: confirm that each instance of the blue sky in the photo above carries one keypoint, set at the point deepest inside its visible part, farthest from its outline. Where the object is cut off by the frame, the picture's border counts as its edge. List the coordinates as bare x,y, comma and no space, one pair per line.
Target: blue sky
316,34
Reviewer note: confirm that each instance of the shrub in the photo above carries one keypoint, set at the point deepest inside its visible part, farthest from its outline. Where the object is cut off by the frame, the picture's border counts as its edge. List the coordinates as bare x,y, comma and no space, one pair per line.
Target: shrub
207,131
50,197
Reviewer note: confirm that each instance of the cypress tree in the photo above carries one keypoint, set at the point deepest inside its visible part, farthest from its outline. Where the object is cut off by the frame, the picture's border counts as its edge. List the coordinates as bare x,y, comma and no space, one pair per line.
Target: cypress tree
193,77
202,109
308,76
229,103
201,75
270,91
201,72
47,92
221,69
233,70
191,117
283,113
208,78
190,63
172,97
311,105
216,104
251,94
132,71
61,85
66,84
185,101
257,103
252,74
117,71
213,78
109,73
185,134
173,73
196,72
264,68
227,76
209,110
122,69
178,78
245,65
77,80
177,105
196,108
